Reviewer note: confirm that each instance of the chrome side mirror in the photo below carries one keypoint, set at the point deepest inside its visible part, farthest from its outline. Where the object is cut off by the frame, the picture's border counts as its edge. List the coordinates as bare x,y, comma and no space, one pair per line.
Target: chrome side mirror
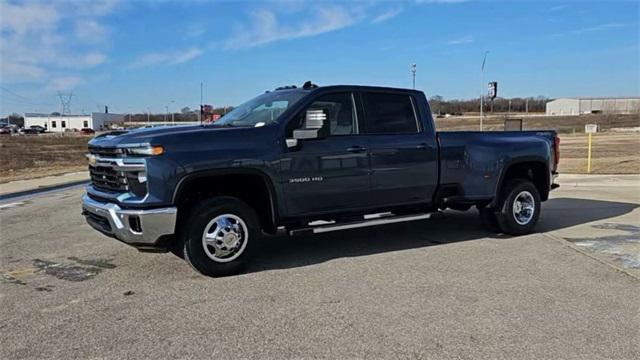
315,127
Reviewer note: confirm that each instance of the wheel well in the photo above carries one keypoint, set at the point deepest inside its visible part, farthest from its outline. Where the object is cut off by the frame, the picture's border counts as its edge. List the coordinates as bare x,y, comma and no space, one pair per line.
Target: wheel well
250,188
534,171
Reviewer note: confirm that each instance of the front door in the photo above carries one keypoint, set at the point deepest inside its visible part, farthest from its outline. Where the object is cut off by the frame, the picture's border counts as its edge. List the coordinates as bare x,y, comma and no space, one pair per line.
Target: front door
330,174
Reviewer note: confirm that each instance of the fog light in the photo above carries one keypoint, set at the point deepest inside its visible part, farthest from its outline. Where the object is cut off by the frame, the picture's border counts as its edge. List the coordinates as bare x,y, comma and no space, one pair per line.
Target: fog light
134,223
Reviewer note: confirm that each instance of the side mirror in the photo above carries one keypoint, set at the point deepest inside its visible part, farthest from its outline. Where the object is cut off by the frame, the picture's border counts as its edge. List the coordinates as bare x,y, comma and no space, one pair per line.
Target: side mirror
315,126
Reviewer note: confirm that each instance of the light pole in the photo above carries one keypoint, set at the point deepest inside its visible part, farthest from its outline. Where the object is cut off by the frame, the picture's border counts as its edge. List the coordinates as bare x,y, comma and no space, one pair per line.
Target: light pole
166,112
148,116
482,88
173,120
413,70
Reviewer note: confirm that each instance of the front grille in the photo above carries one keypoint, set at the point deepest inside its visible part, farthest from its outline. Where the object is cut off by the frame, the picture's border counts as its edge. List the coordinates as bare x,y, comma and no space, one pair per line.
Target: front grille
105,151
108,179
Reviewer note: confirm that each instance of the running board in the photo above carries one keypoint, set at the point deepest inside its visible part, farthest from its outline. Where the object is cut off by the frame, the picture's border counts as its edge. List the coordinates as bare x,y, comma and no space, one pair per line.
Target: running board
359,224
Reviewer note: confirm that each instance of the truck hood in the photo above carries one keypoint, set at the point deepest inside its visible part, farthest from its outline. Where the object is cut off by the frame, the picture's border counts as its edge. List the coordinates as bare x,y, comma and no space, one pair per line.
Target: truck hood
159,136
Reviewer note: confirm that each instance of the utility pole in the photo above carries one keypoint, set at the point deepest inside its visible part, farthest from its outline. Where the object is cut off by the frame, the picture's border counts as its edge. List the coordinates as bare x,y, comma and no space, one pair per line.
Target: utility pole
482,88
526,106
200,112
173,120
166,112
509,107
148,117
413,70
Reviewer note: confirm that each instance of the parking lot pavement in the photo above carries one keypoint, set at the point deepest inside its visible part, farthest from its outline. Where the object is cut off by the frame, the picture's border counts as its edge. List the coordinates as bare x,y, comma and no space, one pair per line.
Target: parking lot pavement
441,288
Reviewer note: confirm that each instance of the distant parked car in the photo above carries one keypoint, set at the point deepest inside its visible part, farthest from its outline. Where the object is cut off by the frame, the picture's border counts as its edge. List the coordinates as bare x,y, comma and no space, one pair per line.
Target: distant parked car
87,131
38,128
28,131
5,131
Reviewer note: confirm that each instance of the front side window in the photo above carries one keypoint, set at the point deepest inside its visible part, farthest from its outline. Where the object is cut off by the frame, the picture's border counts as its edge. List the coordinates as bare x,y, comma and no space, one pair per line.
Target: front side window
389,113
261,110
340,111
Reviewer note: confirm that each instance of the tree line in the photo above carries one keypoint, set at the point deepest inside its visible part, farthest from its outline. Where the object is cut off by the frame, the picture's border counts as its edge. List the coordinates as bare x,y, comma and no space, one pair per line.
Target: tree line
458,107
185,115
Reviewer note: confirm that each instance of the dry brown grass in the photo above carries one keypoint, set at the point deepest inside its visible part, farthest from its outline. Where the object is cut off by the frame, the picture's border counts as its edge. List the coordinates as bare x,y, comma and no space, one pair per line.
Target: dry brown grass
562,124
27,157
612,153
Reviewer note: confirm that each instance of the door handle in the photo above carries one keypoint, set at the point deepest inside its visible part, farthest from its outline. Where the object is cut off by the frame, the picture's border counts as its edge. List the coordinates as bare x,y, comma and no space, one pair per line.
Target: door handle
356,149
421,146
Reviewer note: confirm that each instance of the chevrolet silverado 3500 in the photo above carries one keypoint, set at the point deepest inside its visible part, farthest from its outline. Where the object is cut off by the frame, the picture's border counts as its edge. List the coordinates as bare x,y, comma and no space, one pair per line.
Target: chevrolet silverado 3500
308,159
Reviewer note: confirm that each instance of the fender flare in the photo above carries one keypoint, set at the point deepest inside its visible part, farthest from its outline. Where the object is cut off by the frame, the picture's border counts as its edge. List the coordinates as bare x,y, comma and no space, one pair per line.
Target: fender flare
271,190
514,162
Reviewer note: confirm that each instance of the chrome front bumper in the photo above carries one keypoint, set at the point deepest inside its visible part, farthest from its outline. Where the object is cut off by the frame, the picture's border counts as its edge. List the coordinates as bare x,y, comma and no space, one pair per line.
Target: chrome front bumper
134,227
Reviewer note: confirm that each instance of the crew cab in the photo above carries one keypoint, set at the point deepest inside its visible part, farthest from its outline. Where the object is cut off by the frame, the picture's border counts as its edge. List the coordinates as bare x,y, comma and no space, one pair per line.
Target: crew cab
308,160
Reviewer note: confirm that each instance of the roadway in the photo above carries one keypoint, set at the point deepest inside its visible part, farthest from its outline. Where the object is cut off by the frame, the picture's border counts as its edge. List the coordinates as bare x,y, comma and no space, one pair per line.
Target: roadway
439,288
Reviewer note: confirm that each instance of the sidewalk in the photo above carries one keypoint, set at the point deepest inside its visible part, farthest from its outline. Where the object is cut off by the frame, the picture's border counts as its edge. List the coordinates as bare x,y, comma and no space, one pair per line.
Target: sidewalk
45,183
578,180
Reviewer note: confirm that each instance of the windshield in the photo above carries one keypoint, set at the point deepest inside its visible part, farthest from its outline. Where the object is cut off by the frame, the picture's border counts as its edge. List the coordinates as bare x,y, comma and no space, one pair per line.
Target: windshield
261,110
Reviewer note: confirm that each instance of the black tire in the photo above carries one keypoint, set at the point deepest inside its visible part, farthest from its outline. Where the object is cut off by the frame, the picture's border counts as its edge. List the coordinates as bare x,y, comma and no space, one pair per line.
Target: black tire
508,221
488,219
198,220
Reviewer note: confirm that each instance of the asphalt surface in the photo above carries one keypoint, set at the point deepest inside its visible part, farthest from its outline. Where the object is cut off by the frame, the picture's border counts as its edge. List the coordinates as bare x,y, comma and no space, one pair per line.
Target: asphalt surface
440,288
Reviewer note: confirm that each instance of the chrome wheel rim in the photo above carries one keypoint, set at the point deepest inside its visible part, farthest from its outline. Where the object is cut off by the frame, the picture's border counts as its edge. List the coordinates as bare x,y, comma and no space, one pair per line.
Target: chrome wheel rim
524,206
225,238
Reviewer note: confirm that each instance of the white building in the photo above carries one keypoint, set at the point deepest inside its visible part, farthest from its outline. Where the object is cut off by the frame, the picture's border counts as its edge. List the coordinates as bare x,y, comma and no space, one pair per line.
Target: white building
62,123
579,106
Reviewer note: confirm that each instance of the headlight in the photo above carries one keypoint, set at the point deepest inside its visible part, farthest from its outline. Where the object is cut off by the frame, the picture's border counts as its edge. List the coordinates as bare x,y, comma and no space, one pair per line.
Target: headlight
144,150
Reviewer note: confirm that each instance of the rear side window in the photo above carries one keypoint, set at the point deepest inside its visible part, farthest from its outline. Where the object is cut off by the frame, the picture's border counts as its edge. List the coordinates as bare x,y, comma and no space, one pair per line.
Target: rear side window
389,113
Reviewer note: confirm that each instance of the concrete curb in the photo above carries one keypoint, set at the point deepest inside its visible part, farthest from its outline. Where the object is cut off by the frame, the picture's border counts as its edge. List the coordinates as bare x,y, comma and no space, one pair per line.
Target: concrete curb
42,189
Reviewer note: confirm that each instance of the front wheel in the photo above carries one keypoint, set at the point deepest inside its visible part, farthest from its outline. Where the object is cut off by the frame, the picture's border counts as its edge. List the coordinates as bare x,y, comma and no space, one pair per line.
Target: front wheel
221,236
520,207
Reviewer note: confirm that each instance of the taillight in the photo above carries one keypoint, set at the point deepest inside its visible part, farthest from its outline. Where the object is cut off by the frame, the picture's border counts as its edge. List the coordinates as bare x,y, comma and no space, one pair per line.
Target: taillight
556,152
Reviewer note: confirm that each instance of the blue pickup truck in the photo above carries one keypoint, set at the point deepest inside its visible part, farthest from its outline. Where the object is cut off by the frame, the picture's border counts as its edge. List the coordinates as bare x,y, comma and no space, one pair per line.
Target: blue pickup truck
308,159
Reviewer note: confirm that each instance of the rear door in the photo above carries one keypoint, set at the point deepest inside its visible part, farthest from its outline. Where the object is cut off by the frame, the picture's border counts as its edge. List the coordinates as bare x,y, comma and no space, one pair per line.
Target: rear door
330,174
403,158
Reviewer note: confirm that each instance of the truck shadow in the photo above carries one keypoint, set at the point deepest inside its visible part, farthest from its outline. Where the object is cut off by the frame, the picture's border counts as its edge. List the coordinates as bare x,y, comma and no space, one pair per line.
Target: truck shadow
283,252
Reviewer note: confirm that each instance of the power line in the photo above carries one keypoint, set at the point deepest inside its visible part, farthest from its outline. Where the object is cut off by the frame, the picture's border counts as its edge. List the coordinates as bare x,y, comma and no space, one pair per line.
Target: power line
25,100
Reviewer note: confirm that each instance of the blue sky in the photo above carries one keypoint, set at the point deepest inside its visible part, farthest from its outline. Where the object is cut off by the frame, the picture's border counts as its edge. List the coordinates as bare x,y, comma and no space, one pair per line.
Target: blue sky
139,55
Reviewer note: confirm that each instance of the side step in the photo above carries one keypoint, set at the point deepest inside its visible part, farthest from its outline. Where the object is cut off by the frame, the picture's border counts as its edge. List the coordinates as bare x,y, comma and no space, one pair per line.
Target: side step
384,219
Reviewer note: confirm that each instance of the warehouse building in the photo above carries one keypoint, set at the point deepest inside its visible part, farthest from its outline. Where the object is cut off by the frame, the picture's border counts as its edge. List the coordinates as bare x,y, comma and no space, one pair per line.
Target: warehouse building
579,106
62,123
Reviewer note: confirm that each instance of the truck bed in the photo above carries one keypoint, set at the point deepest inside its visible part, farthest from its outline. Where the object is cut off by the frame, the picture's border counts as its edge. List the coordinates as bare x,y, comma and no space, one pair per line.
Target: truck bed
471,162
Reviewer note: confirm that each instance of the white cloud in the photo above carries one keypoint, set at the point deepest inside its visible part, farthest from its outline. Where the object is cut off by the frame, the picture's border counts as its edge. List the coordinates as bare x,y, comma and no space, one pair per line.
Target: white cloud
64,83
195,30
90,30
265,27
463,40
39,39
440,1
592,29
391,13
17,72
558,7
26,18
172,57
